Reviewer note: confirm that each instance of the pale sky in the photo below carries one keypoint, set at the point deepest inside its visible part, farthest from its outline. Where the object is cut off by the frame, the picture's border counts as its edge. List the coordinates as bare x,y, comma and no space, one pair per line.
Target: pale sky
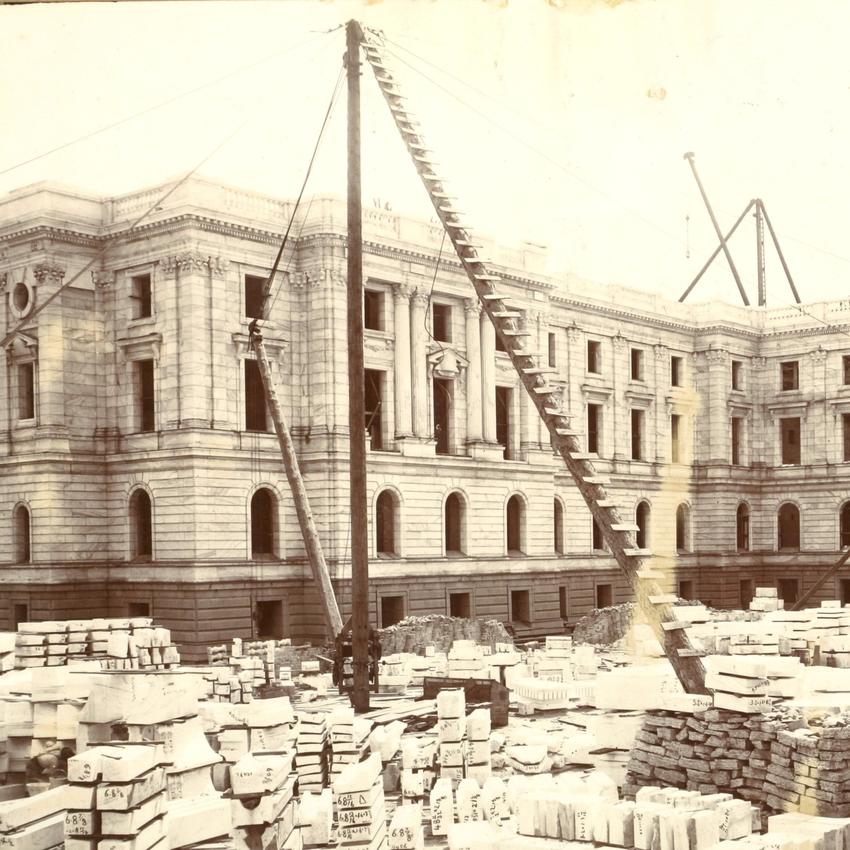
561,123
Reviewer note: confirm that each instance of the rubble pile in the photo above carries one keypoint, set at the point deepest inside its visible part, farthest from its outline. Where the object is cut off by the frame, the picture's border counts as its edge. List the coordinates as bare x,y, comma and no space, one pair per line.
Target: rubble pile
413,634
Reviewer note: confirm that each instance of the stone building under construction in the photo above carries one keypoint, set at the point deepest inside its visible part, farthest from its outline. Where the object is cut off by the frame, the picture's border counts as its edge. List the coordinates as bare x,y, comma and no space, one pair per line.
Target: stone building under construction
140,473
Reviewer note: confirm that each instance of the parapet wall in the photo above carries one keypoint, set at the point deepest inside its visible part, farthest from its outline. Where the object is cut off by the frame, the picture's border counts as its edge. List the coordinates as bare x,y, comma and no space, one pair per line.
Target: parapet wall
775,760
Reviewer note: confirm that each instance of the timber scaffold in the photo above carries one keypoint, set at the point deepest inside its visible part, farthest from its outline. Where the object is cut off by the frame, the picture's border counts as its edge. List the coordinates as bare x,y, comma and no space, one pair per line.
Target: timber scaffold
619,535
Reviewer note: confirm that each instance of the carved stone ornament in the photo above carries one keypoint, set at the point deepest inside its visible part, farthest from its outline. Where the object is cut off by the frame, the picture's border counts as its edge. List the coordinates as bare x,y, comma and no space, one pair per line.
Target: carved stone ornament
619,342
189,261
4,281
44,272
759,362
818,355
716,355
445,362
661,351
102,279
573,332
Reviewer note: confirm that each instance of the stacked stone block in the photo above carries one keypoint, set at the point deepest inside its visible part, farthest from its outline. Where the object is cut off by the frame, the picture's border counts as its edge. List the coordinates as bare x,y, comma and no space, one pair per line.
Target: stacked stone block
359,800
773,760
451,733
312,751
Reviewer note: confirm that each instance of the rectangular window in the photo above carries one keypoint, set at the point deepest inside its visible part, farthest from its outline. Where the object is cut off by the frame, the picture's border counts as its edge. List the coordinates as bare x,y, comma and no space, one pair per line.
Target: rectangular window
254,285
392,610
636,364
500,345
737,382
845,592
443,392
790,374
594,427
604,596
788,590
594,358
20,613
26,391
845,363
845,423
521,606
746,592
442,321
141,295
146,405
373,310
374,383
553,358
268,617
637,434
686,589
138,609
460,605
255,398
597,542
675,450
675,371
789,430
563,603
503,420
737,424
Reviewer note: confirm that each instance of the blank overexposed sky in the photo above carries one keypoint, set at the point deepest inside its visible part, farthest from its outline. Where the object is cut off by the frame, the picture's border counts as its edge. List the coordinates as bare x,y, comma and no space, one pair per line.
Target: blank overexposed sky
562,123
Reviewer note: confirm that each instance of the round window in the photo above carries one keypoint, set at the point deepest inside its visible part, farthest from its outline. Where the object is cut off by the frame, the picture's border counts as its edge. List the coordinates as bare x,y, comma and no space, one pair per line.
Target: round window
21,297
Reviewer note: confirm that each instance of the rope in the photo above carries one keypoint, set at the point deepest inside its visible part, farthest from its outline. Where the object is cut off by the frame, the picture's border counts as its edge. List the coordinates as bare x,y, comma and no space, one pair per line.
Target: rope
268,284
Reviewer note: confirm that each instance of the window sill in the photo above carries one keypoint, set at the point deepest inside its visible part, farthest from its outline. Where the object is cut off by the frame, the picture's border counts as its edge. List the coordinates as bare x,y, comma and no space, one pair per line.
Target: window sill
26,423
141,321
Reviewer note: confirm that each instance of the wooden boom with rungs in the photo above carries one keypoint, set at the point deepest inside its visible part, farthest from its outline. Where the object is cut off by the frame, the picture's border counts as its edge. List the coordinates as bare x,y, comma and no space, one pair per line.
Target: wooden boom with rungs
619,536
310,535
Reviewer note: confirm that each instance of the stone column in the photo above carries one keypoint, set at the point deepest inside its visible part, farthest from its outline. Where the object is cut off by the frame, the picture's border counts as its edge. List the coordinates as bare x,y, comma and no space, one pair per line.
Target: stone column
719,424
488,377
419,366
474,431
49,379
401,368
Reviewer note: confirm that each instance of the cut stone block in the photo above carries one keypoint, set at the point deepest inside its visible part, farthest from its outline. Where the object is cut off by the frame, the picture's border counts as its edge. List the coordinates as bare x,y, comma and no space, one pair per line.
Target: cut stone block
442,807
469,803
405,830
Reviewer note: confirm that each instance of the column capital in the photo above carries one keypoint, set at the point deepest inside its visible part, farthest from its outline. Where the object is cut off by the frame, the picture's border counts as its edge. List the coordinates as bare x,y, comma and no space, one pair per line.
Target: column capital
48,272
818,355
661,351
716,355
420,297
573,332
102,278
402,292
471,306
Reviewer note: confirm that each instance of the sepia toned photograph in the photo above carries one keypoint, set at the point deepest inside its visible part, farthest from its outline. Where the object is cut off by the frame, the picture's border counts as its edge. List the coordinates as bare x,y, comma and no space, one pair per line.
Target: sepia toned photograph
424,424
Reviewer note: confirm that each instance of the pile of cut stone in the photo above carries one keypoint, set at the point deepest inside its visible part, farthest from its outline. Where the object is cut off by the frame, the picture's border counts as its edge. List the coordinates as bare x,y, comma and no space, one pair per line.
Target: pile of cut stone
122,643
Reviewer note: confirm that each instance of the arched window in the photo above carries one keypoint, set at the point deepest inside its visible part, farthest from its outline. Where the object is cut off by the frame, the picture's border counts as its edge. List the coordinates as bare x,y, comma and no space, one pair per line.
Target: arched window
386,524
788,527
263,504
558,526
845,526
682,530
141,535
642,522
455,522
515,525
742,528
21,522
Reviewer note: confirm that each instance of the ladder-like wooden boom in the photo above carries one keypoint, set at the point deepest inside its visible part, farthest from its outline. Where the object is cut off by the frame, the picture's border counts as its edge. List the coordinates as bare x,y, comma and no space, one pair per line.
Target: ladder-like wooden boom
619,536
